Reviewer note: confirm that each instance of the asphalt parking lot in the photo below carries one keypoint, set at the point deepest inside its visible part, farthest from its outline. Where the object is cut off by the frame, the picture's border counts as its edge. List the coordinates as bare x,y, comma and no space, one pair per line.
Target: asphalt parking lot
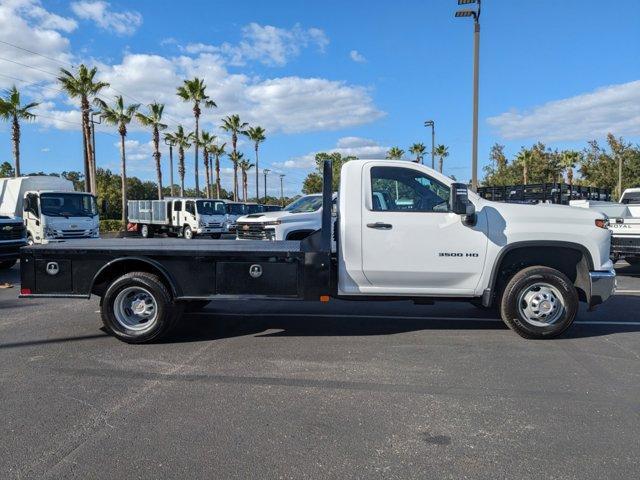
342,390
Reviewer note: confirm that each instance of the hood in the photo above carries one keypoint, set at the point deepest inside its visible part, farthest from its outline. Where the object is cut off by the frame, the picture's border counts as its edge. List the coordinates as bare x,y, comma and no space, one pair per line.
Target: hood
543,212
282,215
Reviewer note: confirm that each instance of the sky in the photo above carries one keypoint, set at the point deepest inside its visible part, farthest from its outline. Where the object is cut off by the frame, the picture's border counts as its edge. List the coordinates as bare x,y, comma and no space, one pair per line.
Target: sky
356,77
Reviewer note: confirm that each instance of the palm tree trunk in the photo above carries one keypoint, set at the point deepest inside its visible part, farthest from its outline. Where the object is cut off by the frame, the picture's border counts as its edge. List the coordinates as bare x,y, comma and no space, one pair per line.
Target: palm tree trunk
257,177
123,167
181,170
234,141
88,150
16,146
218,176
196,156
440,162
205,157
570,176
156,155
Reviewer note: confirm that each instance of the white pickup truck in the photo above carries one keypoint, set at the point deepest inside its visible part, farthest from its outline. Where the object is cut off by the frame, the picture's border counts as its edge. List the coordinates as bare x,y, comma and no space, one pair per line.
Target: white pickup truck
624,223
430,239
296,221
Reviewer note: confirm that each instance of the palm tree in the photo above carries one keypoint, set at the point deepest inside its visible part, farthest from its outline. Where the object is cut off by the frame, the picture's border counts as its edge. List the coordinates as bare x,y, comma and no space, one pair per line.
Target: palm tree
418,150
235,158
245,166
236,127
194,91
153,120
442,152
182,140
569,160
119,115
218,151
395,153
84,86
525,156
207,142
257,136
11,110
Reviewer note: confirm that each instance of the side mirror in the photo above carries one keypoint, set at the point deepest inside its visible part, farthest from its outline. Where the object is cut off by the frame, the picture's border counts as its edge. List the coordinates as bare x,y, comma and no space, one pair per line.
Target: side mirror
460,204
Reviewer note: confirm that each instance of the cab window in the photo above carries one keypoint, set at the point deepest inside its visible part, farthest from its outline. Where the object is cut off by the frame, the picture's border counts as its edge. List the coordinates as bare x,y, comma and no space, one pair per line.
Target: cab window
177,206
398,189
190,207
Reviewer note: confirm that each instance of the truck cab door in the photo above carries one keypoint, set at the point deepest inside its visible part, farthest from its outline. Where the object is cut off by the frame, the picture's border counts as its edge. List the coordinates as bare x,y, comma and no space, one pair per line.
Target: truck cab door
411,242
176,221
31,216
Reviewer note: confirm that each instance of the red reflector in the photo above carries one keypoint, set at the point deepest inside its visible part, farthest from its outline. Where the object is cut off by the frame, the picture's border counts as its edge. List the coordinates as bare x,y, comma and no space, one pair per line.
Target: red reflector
324,298
25,291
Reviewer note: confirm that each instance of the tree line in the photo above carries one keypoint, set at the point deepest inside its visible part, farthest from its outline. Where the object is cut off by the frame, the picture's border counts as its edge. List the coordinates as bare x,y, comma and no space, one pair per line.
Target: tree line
82,85
596,165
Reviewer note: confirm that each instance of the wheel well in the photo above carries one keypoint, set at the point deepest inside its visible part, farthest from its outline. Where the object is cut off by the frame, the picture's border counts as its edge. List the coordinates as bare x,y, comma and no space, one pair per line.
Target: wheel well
573,262
299,234
118,268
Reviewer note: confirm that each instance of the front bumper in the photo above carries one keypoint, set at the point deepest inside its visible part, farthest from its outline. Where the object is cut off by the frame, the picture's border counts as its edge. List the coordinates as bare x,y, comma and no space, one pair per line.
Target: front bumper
603,286
11,250
208,230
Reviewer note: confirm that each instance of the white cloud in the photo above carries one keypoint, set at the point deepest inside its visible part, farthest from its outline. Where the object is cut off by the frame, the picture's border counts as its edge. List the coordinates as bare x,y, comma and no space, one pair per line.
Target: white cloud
282,104
347,146
357,57
614,108
266,44
27,24
122,23
45,150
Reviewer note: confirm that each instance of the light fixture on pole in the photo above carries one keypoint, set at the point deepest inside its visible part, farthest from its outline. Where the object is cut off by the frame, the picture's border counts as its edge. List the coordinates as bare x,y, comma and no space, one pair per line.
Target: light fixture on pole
282,189
476,62
266,172
432,124
171,144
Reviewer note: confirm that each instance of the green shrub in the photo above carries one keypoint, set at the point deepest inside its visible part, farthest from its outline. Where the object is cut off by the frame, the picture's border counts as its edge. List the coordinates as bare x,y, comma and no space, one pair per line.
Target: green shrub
110,226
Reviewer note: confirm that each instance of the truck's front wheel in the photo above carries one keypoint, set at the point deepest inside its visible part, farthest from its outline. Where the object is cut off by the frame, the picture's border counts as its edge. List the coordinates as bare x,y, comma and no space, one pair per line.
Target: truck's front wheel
187,232
138,308
539,302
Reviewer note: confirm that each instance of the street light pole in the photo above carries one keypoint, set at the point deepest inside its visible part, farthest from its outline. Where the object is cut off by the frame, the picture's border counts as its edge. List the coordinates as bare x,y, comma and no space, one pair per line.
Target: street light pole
266,172
476,68
432,124
171,144
282,189
92,165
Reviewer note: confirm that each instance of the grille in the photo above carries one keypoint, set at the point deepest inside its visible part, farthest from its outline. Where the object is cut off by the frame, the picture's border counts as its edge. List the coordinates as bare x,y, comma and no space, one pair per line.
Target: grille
214,225
256,231
16,232
75,233
619,244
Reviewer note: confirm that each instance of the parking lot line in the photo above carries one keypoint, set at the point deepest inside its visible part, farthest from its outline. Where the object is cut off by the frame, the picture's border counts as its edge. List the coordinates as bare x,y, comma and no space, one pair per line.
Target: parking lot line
458,319
627,291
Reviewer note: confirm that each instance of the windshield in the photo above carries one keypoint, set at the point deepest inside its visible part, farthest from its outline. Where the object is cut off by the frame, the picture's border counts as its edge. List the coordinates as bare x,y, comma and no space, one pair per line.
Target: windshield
210,207
235,209
305,204
68,205
254,209
631,198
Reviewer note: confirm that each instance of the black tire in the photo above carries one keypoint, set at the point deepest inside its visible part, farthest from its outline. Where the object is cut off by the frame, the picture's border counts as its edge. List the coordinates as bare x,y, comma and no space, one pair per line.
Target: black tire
7,264
541,285
188,233
216,236
632,260
146,231
167,312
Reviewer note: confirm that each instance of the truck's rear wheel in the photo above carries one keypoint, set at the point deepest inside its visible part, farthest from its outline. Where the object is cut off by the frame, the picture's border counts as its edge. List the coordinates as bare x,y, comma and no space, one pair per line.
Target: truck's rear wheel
146,231
138,308
539,302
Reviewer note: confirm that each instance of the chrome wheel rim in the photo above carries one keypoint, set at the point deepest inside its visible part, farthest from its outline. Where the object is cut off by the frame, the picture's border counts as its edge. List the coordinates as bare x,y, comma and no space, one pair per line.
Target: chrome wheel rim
541,304
188,233
135,308
145,231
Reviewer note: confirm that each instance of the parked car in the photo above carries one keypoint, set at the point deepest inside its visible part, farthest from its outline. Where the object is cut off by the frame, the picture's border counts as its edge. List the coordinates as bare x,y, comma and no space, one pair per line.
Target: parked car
13,236
535,263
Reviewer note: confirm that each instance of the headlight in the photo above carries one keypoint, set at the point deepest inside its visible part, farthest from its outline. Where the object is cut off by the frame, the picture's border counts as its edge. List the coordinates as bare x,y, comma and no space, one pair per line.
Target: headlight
201,223
602,222
50,232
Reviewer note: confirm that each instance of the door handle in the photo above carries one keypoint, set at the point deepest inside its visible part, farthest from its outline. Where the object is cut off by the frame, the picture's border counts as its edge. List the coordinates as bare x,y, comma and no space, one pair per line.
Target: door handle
380,226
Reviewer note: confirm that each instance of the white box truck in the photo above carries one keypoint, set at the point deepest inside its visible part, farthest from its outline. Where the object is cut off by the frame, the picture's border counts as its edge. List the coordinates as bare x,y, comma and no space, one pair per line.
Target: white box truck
50,208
